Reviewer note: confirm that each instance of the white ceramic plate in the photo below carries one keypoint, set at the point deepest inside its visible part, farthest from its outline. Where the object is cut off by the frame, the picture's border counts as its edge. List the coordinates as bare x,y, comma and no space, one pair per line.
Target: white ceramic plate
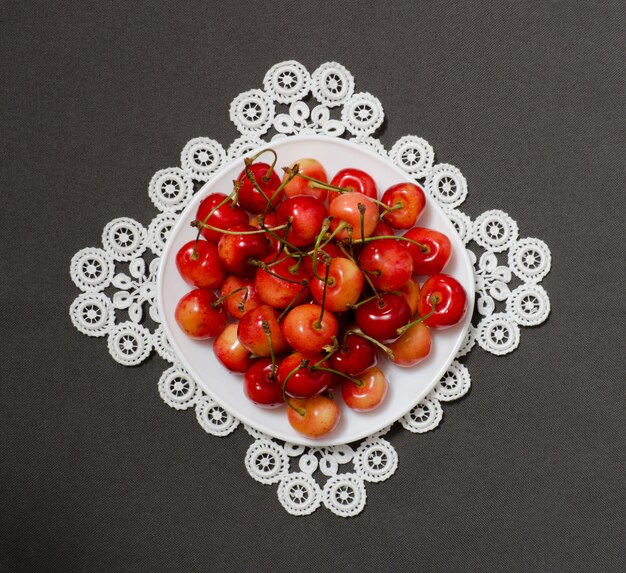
407,386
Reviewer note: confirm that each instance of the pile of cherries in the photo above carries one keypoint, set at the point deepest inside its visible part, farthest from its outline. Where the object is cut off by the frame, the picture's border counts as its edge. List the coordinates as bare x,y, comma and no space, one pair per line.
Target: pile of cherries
318,285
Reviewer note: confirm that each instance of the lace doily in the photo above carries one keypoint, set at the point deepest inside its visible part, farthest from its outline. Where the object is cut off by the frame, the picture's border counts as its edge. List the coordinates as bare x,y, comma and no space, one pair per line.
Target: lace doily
117,280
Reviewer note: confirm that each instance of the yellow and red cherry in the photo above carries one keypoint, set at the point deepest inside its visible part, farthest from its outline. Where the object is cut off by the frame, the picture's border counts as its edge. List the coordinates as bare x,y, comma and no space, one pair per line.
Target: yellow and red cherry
343,286
388,264
298,376
405,201
230,352
443,299
314,417
413,346
350,209
237,249
284,283
199,264
225,215
239,296
308,329
355,180
261,385
355,355
266,179
307,216
260,333
367,392
198,315
382,318
411,293
301,185
434,254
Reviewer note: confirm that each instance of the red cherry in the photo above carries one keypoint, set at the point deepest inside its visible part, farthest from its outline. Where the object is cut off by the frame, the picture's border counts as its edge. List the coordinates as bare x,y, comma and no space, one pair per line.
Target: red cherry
256,326
433,258
226,216
301,186
382,230
354,356
199,264
344,286
283,284
367,395
236,251
196,316
408,201
242,301
249,196
314,417
305,332
382,320
230,352
448,297
355,179
261,386
304,381
307,216
388,264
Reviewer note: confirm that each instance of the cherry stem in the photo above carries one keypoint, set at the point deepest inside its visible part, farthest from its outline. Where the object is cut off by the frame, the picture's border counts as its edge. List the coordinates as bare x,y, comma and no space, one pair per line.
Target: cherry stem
270,231
422,247
251,160
433,301
342,225
380,345
362,209
338,373
318,323
320,184
323,231
267,269
300,411
220,300
202,225
280,188
268,334
266,177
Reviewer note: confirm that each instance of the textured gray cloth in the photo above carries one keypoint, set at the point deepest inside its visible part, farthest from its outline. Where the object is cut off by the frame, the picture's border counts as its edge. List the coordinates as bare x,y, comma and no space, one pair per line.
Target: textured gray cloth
525,474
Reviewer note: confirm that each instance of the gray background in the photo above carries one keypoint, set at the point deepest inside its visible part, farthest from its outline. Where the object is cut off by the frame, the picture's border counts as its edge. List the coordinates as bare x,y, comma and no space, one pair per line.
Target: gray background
525,474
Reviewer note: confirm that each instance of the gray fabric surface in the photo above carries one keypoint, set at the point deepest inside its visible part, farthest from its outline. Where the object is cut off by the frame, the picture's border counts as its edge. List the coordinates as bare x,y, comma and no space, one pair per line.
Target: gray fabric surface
525,474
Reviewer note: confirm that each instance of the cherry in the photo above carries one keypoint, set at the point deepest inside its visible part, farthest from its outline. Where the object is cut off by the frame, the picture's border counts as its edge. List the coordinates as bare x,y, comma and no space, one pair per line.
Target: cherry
307,216
261,385
381,320
259,331
250,198
413,346
345,209
230,352
355,355
406,201
308,329
314,417
197,317
444,299
283,283
225,216
299,378
411,293
433,257
388,264
367,392
355,180
235,250
199,264
239,296
343,287
301,185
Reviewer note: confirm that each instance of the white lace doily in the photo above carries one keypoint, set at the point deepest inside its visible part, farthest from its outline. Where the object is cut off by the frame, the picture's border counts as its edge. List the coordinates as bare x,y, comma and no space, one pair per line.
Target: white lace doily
117,280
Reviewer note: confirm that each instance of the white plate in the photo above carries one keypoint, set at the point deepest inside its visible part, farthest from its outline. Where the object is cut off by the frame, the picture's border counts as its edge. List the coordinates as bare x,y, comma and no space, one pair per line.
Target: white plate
407,386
